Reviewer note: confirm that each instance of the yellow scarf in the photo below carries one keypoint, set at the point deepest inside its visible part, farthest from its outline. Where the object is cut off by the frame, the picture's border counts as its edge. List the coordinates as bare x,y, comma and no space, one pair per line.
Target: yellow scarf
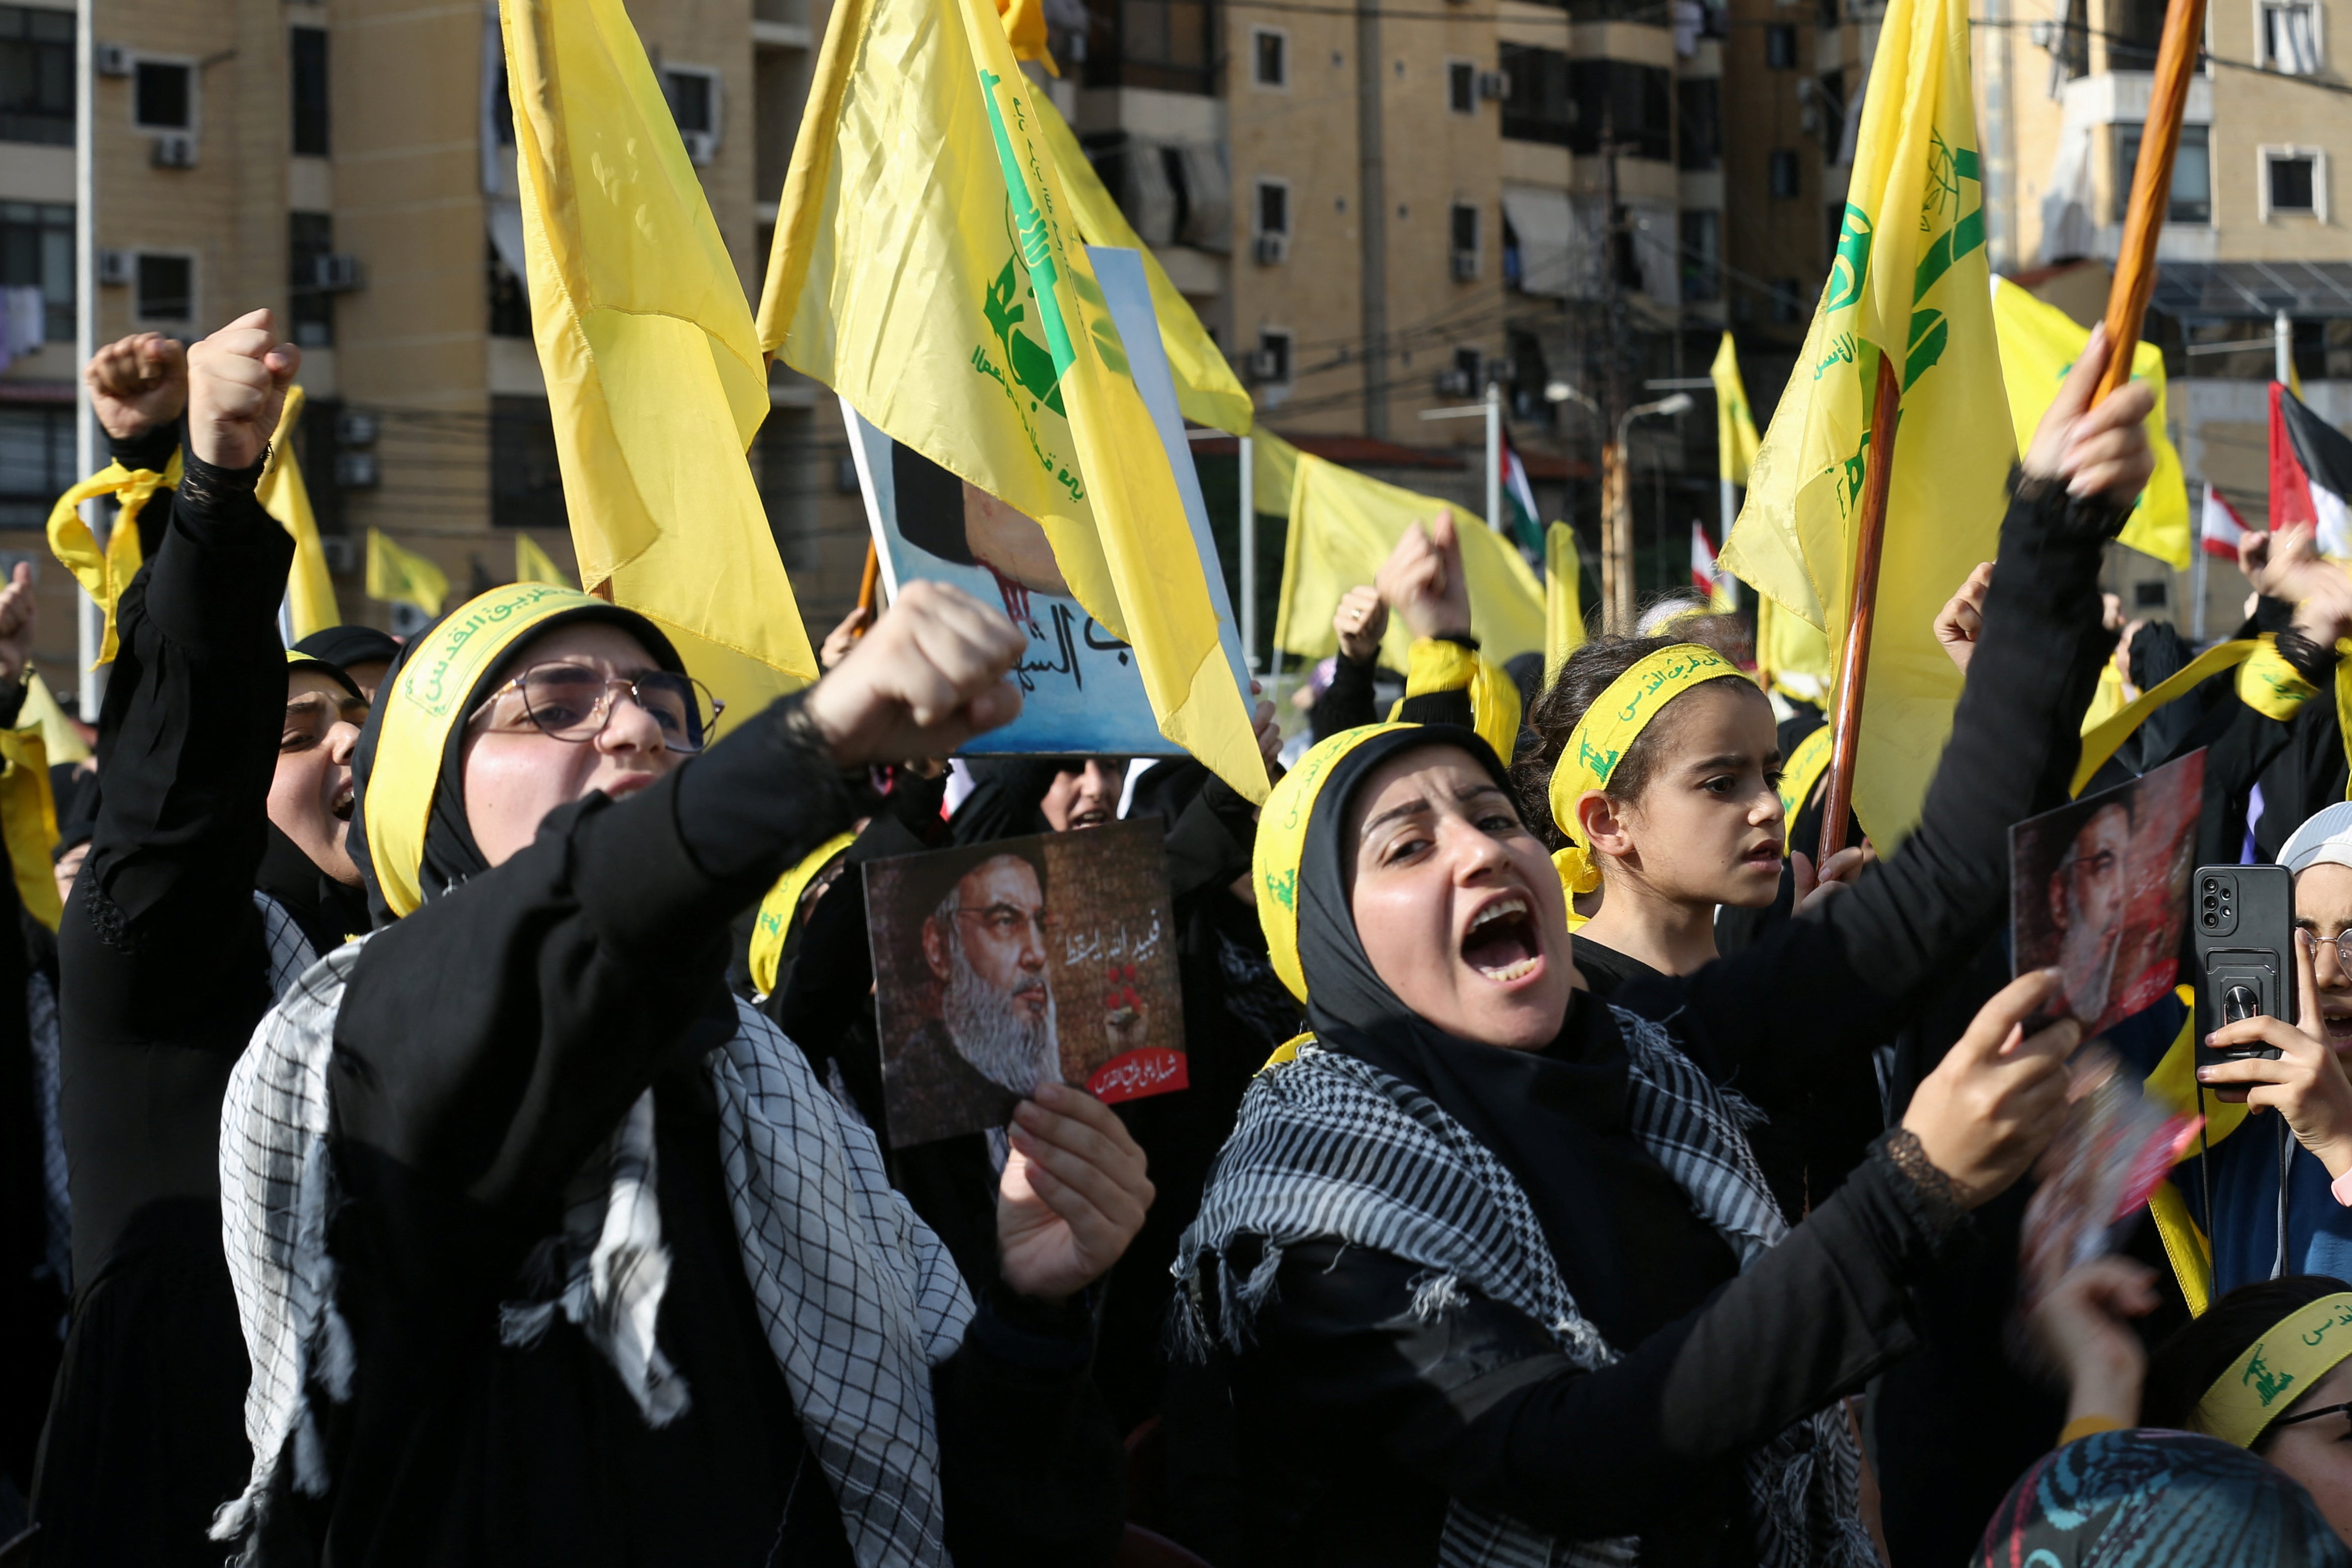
29,821
775,919
2101,739
1608,731
423,705
105,573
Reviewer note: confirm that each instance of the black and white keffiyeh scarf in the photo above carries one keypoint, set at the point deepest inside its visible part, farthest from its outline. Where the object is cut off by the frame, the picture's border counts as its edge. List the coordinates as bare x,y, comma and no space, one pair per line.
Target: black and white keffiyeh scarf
1329,1146
858,1297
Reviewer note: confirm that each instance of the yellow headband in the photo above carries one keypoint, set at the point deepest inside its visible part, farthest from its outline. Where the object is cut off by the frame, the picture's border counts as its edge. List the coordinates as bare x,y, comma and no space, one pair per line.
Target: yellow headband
2276,1370
1282,845
425,704
1608,731
775,919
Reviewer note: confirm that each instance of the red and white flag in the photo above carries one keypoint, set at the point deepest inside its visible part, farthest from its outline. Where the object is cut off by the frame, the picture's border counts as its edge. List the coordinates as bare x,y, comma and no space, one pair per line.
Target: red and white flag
2220,528
1721,588
2311,473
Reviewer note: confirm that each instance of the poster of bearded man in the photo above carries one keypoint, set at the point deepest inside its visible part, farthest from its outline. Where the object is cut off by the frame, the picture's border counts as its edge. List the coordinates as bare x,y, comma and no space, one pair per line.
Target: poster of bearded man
998,967
2099,890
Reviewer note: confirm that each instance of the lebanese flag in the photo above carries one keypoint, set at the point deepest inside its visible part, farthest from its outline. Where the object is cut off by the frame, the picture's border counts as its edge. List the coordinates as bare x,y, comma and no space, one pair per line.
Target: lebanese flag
1722,589
1521,521
2311,473
2220,527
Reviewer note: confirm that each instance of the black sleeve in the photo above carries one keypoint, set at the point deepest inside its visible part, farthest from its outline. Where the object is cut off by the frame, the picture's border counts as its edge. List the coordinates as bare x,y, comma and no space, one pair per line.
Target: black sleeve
1847,973
1030,1463
1210,844
1346,702
493,1037
1481,1400
154,948
150,450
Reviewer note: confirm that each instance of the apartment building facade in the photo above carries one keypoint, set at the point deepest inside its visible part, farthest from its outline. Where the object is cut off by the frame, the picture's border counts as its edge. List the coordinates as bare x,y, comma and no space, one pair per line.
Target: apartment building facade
348,164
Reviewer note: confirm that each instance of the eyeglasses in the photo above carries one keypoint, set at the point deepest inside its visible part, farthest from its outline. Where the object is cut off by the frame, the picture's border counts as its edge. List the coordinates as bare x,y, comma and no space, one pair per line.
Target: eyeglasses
1010,922
2312,1415
2341,943
571,702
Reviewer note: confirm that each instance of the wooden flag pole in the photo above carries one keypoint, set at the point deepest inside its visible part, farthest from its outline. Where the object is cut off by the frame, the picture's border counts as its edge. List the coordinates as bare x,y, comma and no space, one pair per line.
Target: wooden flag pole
2151,191
869,588
1862,608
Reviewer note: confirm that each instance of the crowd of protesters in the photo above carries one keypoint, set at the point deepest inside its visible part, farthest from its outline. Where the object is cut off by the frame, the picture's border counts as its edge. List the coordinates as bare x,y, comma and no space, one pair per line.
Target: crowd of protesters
412,1157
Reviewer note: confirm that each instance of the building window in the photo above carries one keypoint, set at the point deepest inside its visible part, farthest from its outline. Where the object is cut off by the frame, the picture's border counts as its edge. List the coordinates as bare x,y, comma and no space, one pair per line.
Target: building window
2134,31
1463,230
1832,104
1781,47
1788,302
36,460
1165,43
1636,103
2292,182
307,52
163,96
1785,179
2192,174
36,76
166,287
37,250
526,484
1537,106
1468,367
2290,36
1702,255
1269,57
1699,102
510,300
1461,87
1273,207
1274,364
693,95
309,240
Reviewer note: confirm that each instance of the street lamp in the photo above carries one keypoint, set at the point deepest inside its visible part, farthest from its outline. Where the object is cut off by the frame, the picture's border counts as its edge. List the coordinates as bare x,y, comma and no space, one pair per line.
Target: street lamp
1617,547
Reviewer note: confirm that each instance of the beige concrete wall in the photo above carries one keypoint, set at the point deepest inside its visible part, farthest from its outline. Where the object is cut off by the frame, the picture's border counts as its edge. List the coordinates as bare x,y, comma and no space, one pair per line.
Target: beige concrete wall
1765,236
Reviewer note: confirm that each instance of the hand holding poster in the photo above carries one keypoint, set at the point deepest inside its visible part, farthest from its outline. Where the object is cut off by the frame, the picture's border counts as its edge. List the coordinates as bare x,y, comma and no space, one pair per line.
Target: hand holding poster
2099,890
998,967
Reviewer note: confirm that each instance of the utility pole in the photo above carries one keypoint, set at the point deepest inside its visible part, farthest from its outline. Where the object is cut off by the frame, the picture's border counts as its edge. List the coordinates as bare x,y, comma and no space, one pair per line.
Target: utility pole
1371,217
1617,589
88,619
1495,456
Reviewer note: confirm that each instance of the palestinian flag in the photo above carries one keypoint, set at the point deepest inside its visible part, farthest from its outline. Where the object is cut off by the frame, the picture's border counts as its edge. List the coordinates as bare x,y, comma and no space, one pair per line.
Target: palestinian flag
2311,473
1518,519
2220,528
1722,589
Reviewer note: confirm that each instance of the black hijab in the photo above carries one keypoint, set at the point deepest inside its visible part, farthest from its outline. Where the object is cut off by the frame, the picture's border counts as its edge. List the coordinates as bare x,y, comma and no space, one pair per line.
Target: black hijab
1556,1117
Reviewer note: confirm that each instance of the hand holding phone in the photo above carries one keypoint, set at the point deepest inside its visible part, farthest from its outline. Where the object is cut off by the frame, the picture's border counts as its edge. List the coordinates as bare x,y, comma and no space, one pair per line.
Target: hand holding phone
2296,1071
2243,917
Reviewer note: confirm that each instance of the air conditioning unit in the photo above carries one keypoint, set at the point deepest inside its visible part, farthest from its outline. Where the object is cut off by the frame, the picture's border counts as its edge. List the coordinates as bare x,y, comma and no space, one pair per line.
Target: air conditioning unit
335,274
176,150
1263,365
1492,87
355,470
701,146
1273,249
1465,267
342,554
112,60
356,427
114,268
1456,384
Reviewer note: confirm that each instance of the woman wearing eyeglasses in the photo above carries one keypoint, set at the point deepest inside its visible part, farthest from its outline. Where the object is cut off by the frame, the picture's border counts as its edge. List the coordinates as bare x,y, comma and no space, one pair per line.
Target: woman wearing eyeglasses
2253,1234
549,1251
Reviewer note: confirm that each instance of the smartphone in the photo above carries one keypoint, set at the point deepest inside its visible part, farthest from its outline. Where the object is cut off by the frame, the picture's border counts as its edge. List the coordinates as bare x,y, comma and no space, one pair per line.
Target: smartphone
2243,918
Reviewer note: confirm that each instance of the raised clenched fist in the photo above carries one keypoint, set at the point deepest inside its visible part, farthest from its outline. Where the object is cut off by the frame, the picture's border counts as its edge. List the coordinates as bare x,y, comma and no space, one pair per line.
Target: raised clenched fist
137,382
237,386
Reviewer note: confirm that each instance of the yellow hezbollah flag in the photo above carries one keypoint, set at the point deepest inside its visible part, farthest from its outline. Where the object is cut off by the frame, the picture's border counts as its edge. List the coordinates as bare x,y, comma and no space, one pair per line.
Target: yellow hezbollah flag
309,588
533,564
1909,280
1343,525
1563,598
927,268
1207,391
1792,658
1735,427
2038,344
399,576
1025,28
653,373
